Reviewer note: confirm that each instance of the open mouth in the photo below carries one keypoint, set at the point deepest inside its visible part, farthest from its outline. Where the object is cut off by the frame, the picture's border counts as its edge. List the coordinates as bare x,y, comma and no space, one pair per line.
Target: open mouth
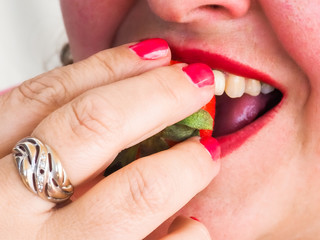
244,97
240,101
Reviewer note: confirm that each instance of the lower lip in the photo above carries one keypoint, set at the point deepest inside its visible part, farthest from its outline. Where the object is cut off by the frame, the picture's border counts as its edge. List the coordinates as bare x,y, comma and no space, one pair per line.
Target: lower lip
232,142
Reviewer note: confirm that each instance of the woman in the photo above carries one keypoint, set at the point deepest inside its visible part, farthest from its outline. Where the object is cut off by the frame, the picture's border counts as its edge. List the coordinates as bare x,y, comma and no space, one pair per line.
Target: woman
268,184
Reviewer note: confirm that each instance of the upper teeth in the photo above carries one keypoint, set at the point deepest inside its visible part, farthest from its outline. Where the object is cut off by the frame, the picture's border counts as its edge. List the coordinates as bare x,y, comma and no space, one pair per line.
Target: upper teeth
235,86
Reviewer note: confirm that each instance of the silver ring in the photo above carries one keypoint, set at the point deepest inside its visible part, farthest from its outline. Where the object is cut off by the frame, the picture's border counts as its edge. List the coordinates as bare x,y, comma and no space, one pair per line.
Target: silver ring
41,171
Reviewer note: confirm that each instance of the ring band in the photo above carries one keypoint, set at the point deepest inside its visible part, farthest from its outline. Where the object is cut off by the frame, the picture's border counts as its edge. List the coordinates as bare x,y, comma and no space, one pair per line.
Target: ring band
41,171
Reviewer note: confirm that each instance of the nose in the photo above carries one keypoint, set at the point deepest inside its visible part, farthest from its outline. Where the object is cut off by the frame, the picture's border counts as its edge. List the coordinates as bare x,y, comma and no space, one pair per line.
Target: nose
184,11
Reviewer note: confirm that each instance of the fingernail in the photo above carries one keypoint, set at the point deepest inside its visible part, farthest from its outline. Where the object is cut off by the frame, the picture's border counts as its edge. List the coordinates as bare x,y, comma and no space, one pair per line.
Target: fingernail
151,49
194,218
212,146
200,74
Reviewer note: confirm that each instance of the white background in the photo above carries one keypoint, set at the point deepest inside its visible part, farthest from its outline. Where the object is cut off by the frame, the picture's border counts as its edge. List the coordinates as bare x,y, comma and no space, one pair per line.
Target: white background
31,37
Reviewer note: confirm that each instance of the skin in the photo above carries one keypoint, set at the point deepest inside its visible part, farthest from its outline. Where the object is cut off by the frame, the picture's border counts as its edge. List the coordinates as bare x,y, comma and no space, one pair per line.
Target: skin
268,188
85,104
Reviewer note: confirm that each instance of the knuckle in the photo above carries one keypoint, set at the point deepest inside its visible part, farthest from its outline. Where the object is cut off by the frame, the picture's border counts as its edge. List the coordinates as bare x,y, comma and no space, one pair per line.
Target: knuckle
107,62
147,192
95,115
48,90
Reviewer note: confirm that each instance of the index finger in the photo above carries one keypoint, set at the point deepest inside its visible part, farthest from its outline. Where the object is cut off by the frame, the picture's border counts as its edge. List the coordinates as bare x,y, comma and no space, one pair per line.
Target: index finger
25,106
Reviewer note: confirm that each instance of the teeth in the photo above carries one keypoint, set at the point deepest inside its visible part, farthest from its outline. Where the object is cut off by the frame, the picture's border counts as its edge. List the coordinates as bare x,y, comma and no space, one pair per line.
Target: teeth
235,86
253,87
220,82
266,88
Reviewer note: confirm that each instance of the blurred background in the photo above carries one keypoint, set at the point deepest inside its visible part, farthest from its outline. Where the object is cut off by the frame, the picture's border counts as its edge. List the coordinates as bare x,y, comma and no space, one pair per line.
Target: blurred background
31,37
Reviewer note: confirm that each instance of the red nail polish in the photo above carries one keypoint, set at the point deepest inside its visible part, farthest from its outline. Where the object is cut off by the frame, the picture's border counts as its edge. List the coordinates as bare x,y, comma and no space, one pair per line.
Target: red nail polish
200,74
151,49
212,145
194,218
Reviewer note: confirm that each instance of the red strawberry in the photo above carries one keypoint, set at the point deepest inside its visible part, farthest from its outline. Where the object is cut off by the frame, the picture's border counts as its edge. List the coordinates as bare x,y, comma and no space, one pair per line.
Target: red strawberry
211,109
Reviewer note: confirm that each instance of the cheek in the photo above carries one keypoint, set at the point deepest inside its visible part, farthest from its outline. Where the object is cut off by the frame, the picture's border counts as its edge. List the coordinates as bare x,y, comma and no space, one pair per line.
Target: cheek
91,24
297,24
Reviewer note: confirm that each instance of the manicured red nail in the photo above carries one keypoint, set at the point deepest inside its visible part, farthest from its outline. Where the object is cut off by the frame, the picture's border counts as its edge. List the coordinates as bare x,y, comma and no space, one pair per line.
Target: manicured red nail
194,218
200,74
212,145
151,49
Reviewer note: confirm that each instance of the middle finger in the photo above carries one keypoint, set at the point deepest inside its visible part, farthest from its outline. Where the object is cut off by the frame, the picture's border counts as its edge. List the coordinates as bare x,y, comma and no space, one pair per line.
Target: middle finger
91,130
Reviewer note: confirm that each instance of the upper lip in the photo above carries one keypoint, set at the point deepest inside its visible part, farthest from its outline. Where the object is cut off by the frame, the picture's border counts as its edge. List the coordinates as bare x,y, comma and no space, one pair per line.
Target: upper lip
224,63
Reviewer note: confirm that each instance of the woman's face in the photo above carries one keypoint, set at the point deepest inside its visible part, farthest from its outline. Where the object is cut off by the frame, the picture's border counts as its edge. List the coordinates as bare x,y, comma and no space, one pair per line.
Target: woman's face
268,187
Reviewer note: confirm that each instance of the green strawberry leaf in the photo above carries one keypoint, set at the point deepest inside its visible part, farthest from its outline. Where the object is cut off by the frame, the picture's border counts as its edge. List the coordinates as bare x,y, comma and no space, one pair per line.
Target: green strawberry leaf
153,145
179,132
124,158
199,120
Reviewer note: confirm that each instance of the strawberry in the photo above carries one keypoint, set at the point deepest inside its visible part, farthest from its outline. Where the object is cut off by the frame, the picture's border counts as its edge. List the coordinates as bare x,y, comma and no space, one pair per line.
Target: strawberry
199,123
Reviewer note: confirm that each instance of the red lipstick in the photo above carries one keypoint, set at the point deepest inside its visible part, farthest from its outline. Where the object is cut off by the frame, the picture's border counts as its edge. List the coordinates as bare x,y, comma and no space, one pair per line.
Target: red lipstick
234,140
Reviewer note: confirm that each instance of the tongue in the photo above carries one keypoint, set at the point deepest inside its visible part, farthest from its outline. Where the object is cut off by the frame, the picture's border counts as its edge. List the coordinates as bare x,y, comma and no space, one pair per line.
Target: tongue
233,114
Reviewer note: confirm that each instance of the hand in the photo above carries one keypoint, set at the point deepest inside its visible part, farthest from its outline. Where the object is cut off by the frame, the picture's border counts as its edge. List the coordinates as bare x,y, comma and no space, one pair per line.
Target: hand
88,112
